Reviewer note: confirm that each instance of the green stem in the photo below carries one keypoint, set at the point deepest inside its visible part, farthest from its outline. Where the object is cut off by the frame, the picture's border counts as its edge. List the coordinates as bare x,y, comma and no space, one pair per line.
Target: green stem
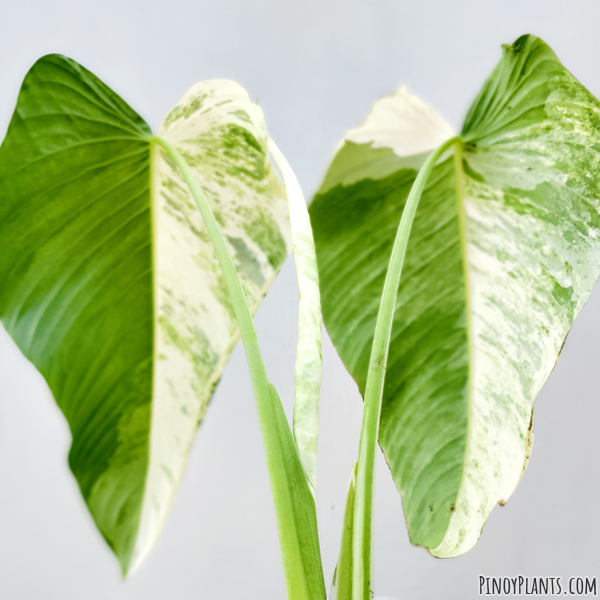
294,504
365,477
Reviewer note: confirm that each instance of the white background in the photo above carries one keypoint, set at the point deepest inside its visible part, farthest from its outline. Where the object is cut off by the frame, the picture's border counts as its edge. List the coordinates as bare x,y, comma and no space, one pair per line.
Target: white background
316,67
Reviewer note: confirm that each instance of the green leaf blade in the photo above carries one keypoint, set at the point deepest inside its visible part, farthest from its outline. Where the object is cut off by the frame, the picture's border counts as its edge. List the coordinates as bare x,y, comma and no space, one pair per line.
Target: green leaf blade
352,283
62,263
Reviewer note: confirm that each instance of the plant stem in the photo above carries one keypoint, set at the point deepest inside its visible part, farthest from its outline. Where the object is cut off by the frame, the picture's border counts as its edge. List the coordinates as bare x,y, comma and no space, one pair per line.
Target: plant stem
258,372
365,477
294,504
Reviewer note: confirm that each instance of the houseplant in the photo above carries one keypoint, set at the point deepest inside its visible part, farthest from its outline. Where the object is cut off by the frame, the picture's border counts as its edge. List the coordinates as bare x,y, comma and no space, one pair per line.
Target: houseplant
112,288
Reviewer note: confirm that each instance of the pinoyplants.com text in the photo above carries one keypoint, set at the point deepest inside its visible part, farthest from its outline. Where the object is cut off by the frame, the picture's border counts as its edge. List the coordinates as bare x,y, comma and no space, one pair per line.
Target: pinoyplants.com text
537,586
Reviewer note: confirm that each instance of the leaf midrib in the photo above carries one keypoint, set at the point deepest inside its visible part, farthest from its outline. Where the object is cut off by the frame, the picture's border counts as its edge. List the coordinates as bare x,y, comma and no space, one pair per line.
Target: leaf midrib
460,175
137,553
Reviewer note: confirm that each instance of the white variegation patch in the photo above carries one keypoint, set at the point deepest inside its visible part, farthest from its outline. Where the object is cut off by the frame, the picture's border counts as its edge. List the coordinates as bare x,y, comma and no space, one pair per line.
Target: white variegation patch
517,262
222,136
403,123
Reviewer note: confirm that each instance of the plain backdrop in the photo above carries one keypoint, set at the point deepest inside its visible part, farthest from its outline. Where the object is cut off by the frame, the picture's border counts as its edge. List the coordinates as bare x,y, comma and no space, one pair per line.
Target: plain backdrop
316,67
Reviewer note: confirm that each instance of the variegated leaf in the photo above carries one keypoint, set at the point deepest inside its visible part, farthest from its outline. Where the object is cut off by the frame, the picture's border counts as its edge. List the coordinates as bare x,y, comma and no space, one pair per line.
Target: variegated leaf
504,251
110,284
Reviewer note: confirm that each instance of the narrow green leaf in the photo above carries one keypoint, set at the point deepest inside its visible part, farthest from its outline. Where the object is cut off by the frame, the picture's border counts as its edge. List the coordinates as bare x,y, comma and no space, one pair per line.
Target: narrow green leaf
297,515
503,253
341,588
310,321
110,282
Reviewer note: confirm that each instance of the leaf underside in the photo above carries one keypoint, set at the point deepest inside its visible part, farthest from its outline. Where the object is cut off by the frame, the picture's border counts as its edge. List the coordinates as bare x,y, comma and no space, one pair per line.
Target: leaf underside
503,253
110,284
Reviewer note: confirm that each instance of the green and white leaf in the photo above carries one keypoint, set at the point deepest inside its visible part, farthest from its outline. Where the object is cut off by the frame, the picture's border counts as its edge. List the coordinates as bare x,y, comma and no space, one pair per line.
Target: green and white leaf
504,251
110,283
310,322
